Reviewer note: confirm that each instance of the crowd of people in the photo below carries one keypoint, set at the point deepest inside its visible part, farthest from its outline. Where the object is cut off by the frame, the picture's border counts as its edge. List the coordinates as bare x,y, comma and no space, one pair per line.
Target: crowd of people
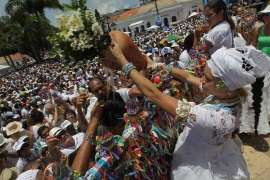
178,118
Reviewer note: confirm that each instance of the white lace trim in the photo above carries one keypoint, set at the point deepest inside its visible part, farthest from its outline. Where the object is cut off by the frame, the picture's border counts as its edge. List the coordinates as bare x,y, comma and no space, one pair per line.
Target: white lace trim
263,125
183,109
247,117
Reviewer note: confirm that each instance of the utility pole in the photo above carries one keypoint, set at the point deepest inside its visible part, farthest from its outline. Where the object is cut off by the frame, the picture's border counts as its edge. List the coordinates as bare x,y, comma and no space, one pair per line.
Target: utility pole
158,18
156,7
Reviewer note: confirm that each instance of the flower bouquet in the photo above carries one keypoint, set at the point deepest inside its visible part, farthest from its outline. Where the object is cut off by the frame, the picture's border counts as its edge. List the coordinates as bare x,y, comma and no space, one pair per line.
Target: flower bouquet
83,35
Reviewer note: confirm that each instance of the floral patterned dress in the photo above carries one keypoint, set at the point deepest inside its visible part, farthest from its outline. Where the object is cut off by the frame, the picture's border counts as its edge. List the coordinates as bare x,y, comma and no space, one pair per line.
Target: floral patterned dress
205,149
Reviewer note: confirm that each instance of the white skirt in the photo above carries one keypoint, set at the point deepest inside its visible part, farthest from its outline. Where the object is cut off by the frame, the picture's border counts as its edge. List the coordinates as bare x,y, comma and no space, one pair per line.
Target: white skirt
194,159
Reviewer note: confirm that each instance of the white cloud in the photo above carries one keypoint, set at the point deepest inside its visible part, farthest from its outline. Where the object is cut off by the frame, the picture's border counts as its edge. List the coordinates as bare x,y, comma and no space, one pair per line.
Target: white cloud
103,6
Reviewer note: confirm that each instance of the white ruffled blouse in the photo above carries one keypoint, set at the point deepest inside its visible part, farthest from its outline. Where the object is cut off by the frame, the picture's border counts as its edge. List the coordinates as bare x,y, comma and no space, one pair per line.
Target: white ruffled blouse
205,149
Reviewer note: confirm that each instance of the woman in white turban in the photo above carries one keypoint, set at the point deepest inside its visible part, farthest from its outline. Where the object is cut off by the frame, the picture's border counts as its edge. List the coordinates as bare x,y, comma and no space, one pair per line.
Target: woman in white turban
205,149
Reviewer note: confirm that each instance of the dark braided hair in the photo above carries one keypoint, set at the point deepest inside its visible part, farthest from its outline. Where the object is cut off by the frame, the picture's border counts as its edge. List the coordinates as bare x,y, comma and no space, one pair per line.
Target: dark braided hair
113,110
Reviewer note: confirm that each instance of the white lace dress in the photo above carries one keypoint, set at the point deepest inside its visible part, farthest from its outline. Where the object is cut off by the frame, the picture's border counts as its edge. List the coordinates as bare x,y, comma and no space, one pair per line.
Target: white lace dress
205,150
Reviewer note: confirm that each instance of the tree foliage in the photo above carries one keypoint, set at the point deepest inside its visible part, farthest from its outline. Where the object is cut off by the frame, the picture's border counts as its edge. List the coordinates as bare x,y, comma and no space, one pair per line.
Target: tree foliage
76,4
11,36
26,29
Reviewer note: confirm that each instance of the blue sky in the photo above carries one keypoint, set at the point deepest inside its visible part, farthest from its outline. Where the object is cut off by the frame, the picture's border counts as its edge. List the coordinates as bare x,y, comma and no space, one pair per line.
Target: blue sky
104,6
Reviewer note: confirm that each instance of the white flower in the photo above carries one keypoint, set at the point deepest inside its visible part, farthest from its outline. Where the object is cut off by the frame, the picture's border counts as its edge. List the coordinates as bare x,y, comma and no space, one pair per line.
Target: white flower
73,31
96,28
75,22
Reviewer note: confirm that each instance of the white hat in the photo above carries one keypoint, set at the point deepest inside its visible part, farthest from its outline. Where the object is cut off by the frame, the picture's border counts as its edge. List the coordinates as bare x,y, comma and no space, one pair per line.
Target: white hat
23,138
166,50
65,124
9,114
78,139
13,127
16,116
175,45
39,103
28,175
19,144
266,10
55,131
3,143
193,14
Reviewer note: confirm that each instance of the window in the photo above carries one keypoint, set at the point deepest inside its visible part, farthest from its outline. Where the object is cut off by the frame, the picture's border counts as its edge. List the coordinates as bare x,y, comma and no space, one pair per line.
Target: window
166,22
137,30
174,19
142,28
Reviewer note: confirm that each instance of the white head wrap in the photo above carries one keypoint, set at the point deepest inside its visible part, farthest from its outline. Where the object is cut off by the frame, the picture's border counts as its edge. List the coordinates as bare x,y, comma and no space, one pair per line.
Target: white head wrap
237,67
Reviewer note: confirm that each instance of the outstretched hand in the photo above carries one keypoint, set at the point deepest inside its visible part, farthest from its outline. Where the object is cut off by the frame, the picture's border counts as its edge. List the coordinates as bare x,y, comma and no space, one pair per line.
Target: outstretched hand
95,118
113,57
97,111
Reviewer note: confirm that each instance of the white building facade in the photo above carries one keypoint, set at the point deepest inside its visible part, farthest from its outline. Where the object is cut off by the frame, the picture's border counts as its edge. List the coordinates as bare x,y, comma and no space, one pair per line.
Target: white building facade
177,11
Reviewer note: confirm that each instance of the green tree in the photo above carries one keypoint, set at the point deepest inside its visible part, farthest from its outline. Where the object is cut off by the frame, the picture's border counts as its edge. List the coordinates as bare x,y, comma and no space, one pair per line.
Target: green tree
19,7
35,26
11,38
76,4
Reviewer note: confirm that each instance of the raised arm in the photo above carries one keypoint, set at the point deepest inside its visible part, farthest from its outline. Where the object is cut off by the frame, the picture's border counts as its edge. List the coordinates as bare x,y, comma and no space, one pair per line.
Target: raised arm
80,115
166,102
86,151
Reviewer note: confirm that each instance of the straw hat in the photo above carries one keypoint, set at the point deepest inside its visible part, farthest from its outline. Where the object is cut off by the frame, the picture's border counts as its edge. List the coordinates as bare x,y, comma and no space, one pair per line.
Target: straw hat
13,127
9,174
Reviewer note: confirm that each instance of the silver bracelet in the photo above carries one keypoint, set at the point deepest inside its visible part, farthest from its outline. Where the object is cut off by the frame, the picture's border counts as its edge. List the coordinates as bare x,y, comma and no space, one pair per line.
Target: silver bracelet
90,139
169,68
183,109
127,68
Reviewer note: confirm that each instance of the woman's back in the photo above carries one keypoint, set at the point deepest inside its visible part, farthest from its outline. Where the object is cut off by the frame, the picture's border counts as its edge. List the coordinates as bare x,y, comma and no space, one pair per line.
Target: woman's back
219,36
